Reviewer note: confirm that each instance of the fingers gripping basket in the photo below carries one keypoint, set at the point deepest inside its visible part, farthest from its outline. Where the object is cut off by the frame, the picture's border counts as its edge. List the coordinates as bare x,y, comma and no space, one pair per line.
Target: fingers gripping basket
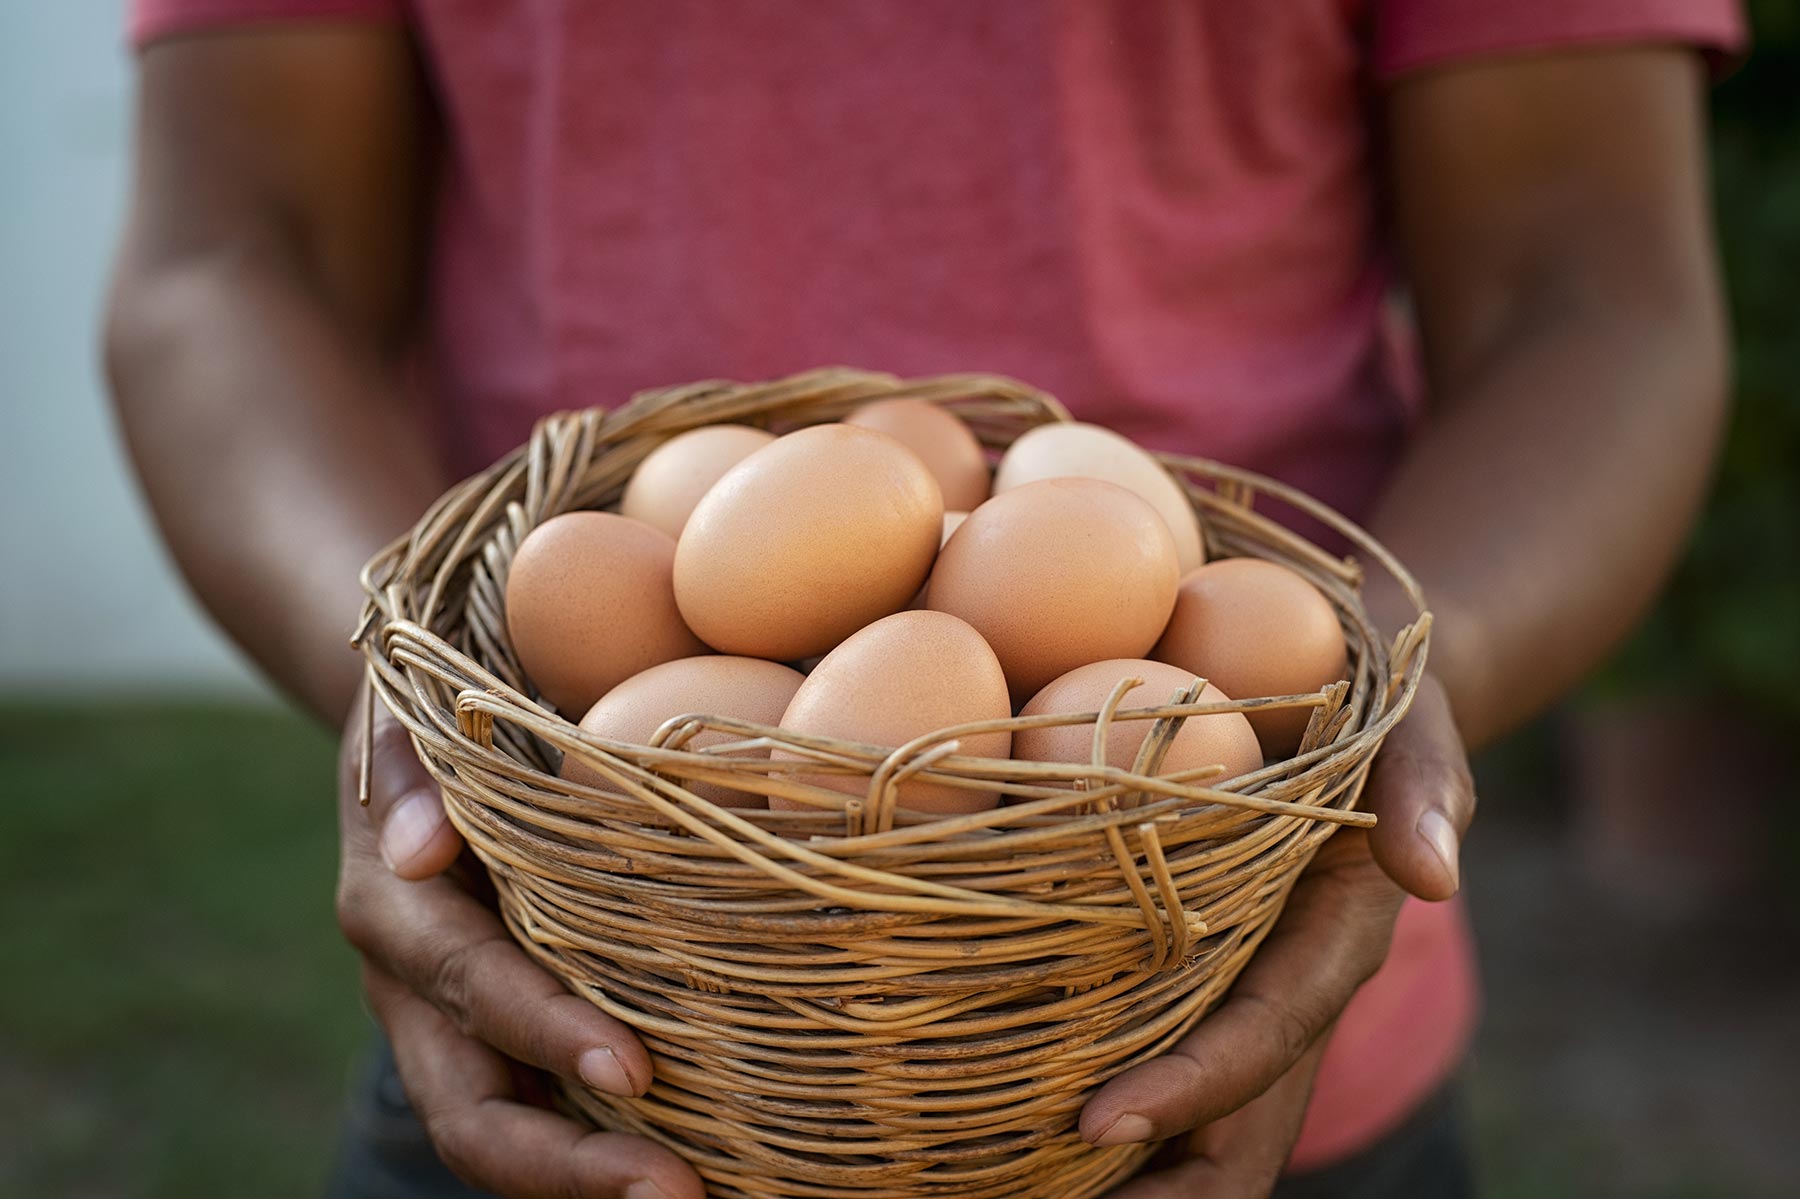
850,1000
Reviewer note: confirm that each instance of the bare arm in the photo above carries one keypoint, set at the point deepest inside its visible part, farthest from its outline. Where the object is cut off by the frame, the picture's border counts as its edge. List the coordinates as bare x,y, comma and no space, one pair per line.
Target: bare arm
264,297
1553,217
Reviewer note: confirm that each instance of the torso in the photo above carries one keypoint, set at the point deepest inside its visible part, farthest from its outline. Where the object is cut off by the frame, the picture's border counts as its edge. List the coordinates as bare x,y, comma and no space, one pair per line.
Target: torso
1165,214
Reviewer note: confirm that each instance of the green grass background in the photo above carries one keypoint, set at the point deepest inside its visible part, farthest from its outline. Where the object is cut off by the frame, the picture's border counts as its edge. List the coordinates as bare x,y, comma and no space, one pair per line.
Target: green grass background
177,1012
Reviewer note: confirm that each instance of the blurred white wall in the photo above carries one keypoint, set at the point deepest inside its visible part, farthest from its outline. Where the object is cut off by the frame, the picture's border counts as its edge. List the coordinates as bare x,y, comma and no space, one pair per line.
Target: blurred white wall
88,600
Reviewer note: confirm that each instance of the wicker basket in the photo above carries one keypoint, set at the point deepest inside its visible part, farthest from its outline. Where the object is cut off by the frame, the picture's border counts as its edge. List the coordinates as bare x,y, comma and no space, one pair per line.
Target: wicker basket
849,1000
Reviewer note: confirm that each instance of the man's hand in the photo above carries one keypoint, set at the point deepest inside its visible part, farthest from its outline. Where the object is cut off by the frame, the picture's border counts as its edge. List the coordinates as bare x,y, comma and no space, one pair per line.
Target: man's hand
458,999
1239,1156
1245,1073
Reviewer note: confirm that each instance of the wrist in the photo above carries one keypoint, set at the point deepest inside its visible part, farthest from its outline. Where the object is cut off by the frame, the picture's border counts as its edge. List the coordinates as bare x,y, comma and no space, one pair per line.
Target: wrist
1454,656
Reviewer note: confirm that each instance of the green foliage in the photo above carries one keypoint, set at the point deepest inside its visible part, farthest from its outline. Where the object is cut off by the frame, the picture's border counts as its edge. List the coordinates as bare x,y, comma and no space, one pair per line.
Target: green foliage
1731,619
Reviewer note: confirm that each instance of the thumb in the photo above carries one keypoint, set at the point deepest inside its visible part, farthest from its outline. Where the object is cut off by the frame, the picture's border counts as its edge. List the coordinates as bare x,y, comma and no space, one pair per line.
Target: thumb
1422,792
406,808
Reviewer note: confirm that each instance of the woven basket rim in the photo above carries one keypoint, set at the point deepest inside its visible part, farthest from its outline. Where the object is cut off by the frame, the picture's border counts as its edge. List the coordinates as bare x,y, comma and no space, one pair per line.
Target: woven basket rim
477,707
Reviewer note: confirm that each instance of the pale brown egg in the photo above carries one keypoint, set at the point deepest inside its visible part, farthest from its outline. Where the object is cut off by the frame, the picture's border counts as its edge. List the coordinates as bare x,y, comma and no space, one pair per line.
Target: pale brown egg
672,477
806,541
589,603
714,685
1219,738
943,443
902,677
1062,449
1256,628
1059,573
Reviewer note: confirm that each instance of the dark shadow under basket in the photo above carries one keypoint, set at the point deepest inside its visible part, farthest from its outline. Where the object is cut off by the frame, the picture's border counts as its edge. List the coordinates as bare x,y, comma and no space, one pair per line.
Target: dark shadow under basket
853,1002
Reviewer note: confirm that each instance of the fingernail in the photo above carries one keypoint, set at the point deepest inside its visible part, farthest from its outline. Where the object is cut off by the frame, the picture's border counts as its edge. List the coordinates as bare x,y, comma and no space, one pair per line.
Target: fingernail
1434,826
601,1070
643,1188
410,827
1128,1129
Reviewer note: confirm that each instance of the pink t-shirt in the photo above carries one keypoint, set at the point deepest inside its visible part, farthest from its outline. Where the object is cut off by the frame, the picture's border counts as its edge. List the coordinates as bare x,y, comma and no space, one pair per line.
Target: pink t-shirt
1168,214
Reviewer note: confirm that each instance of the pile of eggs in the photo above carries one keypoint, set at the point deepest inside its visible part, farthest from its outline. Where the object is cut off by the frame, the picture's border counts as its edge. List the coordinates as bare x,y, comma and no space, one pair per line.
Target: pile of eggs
872,581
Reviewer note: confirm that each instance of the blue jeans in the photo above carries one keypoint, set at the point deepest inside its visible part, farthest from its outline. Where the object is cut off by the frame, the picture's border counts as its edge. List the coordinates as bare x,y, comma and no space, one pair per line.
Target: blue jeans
383,1152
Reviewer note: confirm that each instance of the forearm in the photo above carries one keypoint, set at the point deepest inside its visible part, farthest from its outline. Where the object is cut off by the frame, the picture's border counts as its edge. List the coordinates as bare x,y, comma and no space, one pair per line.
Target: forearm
275,448
1550,212
1548,496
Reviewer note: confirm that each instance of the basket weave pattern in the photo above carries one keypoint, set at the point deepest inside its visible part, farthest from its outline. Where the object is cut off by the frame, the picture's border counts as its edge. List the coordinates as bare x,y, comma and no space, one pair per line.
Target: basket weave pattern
851,1000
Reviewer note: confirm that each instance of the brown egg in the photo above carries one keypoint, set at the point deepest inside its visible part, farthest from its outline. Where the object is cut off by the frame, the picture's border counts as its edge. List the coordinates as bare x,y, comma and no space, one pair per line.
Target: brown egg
806,541
1057,574
902,677
1221,738
1256,628
589,604
1063,449
943,443
672,477
715,685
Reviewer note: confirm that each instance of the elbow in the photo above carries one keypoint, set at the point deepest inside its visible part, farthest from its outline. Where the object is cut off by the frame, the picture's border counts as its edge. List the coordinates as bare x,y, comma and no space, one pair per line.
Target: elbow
151,311
122,330
130,340
1686,316
166,300
160,316
1699,358
153,308
1701,327
136,341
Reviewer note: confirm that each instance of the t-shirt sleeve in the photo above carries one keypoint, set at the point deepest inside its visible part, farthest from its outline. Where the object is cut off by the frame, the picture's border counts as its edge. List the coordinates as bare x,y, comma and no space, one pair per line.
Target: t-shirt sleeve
149,20
1411,35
